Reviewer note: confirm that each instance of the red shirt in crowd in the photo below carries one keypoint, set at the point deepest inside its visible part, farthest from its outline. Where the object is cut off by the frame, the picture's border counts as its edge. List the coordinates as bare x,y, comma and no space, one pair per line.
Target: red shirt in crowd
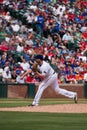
4,48
84,3
84,34
82,45
30,79
71,16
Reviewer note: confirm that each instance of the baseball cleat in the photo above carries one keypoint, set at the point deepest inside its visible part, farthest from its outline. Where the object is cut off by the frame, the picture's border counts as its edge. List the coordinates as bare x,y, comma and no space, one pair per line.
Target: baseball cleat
75,98
33,105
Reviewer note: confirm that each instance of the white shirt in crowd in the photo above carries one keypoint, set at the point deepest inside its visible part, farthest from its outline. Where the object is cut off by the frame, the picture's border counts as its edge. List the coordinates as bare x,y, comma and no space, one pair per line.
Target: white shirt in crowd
34,7
15,27
6,74
1,71
24,65
19,48
67,37
19,80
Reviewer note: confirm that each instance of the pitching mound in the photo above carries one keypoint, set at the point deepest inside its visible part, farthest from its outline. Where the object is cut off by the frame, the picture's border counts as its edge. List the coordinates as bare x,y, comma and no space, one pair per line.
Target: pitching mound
64,108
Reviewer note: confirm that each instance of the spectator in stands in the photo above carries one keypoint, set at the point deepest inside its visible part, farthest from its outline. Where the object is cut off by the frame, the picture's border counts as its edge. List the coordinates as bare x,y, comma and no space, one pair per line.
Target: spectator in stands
66,38
24,64
18,78
79,77
3,60
6,77
8,17
20,47
84,35
40,24
14,75
30,79
3,34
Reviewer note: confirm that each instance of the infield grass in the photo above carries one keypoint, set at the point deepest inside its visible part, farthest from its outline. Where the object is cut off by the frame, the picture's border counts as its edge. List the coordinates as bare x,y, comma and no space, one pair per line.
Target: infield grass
5,102
42,121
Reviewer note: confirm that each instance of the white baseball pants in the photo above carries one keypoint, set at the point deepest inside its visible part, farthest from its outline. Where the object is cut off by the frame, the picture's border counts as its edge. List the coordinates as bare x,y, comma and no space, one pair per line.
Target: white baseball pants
53,82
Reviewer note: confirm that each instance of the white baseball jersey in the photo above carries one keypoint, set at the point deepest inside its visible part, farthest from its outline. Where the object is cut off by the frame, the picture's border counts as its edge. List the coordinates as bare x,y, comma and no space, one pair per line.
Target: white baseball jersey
46,70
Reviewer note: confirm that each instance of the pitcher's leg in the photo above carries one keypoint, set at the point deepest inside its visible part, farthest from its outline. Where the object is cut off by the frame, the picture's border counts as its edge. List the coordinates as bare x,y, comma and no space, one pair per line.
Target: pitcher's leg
67,93
38,95
40,90
64,92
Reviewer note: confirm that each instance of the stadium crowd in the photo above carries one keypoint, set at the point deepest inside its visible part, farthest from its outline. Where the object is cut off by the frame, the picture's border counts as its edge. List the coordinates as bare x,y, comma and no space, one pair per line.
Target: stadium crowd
57,29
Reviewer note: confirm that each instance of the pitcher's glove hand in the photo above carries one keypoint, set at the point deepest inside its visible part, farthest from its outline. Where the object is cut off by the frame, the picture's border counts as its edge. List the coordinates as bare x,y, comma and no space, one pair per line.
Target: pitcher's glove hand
35,67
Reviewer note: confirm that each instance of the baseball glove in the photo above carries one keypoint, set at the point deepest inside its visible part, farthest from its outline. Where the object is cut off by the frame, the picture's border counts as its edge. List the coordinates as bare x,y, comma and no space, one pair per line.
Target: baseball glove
35,67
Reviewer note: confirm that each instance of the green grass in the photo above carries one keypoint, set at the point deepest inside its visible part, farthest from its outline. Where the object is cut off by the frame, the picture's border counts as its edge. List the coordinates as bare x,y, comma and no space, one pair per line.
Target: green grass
24,102
42,121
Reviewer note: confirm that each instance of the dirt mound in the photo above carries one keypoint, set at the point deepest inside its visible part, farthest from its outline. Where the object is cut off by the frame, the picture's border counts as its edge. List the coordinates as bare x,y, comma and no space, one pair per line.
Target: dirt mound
64,108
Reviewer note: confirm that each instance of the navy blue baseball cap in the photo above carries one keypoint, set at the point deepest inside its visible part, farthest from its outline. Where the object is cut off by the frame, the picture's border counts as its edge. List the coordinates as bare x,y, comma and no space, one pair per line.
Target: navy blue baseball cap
39,56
